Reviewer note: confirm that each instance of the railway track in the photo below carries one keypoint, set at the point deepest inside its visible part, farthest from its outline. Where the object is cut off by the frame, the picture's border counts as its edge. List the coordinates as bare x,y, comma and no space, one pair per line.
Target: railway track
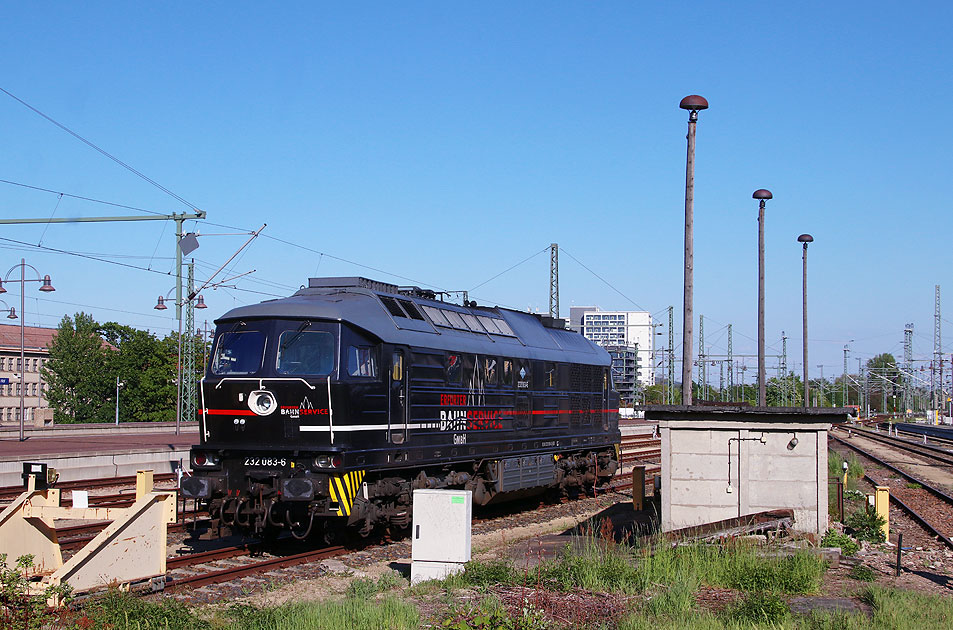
640,448
8,493
918,502
941,455
936,434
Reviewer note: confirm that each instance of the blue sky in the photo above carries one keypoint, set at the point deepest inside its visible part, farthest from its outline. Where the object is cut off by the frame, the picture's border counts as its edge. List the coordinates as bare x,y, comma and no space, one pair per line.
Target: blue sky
440,144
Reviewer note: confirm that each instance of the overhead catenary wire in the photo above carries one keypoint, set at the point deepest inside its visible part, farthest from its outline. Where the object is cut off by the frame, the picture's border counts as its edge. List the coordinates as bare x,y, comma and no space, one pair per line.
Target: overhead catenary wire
80,197
508,269
606,282
100,150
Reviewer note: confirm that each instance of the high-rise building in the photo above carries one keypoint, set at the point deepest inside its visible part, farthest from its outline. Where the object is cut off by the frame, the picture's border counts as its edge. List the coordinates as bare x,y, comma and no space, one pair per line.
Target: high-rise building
629,338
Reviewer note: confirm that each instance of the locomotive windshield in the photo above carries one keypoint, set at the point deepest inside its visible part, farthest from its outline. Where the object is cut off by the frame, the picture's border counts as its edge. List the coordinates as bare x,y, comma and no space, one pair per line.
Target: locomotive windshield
286,347
306,352
238,352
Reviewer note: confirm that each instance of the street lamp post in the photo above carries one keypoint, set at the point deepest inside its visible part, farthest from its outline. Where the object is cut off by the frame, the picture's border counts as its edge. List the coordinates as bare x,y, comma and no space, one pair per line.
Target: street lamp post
761,195
805,239
180,376
46,287
693,104
118,385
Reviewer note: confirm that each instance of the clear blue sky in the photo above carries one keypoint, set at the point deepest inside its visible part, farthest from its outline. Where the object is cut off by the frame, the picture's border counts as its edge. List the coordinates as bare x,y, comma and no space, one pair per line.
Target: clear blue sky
442,143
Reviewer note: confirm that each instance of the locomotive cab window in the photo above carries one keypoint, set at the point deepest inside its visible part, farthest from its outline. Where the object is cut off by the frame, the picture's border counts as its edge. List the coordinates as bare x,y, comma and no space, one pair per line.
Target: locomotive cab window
305,352
238,352
362,361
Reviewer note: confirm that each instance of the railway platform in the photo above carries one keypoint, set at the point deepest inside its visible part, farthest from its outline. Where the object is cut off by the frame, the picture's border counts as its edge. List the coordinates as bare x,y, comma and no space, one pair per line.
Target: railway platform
97,451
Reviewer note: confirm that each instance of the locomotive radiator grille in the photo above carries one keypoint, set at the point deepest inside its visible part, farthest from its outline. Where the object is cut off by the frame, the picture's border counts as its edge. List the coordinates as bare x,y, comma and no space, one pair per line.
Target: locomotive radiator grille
344,488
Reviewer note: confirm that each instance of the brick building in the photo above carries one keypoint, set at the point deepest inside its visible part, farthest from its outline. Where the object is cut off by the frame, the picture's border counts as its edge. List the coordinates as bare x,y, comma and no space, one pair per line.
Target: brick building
36,343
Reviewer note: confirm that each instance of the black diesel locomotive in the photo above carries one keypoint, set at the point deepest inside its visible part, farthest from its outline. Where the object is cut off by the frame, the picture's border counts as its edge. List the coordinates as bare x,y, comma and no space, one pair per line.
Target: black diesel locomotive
334,404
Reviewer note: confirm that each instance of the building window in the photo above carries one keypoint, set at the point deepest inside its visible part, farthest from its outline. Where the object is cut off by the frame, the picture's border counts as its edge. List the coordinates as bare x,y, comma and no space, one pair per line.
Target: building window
33,388
18,365
18,389
34,365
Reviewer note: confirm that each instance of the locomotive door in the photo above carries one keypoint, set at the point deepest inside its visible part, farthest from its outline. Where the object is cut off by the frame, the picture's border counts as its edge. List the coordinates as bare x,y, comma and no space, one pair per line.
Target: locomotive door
399,401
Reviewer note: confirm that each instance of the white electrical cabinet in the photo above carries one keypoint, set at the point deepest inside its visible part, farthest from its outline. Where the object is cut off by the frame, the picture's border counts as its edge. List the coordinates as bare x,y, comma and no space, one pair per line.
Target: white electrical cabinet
441,533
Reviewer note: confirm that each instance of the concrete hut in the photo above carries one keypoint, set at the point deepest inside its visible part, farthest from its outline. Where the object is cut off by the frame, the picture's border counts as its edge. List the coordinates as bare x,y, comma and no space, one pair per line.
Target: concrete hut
722,462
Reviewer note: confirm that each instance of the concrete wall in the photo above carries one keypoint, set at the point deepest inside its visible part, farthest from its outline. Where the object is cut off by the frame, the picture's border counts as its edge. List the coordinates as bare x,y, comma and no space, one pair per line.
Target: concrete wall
76,467
702,459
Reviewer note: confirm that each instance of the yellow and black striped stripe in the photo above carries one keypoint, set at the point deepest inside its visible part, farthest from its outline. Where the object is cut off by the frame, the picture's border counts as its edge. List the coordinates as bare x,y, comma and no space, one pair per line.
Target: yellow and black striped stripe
344,489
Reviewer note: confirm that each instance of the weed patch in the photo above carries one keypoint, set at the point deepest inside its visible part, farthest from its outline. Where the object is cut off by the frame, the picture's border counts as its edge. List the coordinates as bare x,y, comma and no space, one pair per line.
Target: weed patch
862,573
834,539
759,608
866,525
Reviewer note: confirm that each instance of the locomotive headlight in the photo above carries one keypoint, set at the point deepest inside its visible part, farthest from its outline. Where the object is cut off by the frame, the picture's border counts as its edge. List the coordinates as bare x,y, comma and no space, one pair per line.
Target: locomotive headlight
202,459
322,461
262,402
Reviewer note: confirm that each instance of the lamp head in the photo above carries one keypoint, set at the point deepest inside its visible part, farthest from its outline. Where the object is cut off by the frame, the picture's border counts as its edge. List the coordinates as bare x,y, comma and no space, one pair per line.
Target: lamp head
2,290
47,286
200,302
13,313
762,194
805,238
160,305
693,103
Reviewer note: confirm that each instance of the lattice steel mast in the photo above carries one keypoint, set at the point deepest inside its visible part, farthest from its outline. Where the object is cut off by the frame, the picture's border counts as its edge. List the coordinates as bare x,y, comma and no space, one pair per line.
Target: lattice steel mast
189,391
671,355
554,280
907,366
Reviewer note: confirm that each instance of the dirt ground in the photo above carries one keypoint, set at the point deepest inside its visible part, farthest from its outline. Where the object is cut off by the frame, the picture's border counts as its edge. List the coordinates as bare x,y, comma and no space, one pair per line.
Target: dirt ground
925,569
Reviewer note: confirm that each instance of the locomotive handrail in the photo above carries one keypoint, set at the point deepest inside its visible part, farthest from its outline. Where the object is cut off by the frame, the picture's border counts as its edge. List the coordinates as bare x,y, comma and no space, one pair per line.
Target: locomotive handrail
261,381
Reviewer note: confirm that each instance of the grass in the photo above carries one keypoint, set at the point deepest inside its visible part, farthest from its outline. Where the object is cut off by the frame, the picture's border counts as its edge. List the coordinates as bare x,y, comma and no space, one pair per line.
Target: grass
663,579
892,609
349,614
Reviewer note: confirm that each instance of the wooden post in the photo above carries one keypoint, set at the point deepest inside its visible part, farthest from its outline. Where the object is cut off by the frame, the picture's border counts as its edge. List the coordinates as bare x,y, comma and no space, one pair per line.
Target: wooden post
638,488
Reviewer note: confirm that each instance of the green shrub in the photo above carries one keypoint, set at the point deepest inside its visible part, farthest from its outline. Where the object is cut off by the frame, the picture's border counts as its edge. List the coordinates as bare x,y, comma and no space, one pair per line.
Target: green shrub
862,573
833,539
763,607
19,608
866,525
854,495
496,618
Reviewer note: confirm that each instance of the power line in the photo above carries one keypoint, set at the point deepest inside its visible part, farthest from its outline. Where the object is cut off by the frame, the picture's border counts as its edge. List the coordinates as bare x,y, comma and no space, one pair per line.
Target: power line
606,282
528,258
100,150
90,199
113,262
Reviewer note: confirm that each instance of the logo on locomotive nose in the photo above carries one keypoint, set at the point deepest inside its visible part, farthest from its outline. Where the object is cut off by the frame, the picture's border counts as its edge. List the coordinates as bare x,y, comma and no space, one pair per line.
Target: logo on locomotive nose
304,409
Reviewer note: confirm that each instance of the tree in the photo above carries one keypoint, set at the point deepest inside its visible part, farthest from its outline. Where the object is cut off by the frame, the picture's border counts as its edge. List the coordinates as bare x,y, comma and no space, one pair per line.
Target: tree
884,381
78,385
146,367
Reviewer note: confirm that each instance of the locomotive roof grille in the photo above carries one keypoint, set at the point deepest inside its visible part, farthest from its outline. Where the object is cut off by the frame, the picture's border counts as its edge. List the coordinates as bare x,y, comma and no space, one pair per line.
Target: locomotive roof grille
447,317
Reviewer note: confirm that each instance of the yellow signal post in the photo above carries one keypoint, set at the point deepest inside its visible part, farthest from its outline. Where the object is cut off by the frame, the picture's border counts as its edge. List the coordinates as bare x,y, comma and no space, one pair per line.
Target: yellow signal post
882,507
